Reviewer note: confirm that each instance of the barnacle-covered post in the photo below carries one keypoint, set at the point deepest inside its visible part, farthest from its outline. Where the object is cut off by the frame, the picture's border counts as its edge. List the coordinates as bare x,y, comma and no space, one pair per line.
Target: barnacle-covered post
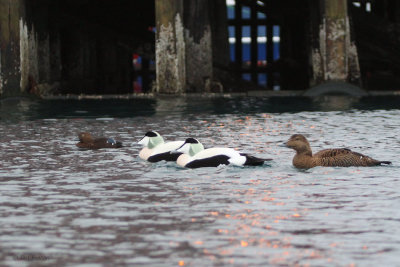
183,46
334,57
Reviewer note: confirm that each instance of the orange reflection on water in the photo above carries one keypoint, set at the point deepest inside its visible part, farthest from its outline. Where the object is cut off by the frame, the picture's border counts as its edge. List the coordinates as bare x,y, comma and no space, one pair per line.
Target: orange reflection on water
268,199
224,231
244,243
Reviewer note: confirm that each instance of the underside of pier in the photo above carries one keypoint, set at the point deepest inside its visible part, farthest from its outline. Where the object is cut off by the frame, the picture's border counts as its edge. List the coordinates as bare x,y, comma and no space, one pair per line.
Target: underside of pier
98,47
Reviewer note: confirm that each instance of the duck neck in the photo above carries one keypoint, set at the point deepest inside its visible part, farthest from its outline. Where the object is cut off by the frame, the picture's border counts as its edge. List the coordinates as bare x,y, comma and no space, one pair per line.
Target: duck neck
303,159
304,150
195,148
155,141
304,153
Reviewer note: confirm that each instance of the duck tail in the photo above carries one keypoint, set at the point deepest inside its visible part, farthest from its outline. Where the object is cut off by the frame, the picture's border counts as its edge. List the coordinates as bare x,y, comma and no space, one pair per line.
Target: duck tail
254,161
118,144
385,162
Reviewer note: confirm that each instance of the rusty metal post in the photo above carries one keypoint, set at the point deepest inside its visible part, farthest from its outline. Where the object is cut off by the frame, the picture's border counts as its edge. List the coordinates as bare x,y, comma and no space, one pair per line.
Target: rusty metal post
183,46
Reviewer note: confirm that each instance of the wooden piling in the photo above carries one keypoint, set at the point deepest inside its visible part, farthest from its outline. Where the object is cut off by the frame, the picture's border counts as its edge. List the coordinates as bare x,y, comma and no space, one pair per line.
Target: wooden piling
183,46
10,12
335,58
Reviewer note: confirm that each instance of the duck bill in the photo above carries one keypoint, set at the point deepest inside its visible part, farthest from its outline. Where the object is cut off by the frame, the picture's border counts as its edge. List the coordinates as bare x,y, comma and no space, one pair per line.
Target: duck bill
284,144
144,141
182,149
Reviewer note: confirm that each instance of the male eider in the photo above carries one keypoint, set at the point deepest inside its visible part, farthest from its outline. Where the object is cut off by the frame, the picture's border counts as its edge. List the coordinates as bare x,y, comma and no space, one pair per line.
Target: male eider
337,157
155,149
87,141
195,156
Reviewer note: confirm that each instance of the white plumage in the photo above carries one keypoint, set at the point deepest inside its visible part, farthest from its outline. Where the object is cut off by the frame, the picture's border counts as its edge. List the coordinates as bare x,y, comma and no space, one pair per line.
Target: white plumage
195,156
155,149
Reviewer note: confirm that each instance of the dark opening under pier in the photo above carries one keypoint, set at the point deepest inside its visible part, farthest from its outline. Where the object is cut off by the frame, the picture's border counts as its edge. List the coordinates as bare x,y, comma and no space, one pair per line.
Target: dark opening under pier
58,47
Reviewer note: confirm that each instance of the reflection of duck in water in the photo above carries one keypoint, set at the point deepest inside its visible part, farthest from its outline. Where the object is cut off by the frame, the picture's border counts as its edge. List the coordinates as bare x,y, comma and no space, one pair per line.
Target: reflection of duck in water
195,156
86,140
337,157
155,149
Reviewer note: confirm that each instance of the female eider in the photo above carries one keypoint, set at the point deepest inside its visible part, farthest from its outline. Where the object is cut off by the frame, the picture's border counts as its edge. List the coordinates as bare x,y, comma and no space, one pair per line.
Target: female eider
336,157
87,141
195,156
155,149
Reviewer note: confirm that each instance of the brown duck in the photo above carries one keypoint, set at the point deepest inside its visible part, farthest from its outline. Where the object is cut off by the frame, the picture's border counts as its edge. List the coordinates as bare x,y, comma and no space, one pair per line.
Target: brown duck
336,157
86,140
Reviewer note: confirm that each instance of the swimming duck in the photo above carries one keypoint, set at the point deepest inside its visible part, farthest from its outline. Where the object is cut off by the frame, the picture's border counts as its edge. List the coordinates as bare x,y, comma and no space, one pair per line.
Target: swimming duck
86,140
337,157
195,156
155,149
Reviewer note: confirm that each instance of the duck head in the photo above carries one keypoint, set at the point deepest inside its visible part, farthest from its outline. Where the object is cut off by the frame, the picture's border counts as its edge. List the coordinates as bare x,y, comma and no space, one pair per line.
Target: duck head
191,147
85,137
299,143
151,139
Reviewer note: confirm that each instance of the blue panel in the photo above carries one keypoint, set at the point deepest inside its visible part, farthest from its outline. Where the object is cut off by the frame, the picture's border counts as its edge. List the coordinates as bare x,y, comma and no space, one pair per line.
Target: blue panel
232,52
262,79
261,15
276,30
246,12
246,32
231,30
262,51
246,52
246,76
261,31
277,52
231,12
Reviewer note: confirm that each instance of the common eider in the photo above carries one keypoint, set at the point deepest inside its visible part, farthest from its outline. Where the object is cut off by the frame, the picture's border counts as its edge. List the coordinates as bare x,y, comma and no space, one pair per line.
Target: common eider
155,149
336,157
195,156
87,141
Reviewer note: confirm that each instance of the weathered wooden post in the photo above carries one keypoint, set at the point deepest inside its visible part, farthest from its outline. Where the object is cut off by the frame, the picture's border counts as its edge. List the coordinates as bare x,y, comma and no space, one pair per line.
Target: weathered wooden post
183,46
10,75
335,56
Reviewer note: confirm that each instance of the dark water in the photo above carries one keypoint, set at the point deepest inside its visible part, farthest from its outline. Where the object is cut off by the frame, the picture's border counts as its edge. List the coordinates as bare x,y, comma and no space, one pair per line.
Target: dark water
62,206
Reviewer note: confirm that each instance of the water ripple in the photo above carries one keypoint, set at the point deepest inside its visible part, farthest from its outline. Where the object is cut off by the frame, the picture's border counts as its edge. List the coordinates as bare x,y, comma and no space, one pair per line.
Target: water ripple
61,205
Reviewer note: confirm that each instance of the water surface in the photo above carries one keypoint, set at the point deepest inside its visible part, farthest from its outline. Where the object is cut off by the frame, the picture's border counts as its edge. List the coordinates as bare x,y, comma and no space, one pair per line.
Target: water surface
63,206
